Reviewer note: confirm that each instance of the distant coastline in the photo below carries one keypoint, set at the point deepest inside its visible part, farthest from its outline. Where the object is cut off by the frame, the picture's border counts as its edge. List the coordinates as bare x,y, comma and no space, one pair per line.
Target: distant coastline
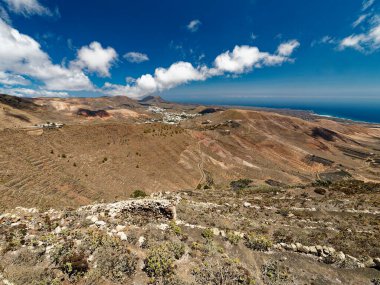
349,112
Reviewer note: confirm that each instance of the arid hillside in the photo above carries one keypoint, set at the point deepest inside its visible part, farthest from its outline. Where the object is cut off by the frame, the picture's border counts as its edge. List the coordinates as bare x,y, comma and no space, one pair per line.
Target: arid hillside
119,145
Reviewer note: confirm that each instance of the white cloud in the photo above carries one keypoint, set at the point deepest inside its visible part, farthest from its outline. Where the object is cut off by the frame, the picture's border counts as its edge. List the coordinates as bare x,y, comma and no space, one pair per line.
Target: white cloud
95,58
136,57
287,48
369,40
365,42
27,7
26,92
194,25
242,59
360,20
7,78
367,4
353,41
4,15
22,55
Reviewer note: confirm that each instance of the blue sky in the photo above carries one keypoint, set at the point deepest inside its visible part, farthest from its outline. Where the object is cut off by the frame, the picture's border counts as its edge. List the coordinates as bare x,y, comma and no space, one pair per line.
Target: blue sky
191,49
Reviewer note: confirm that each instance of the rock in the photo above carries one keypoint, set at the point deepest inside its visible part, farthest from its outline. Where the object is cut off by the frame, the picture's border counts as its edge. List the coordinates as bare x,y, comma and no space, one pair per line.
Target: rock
163,227
340,256
120,228
58,230
377,262
293,246
247,204
313,250
369,263
122,236
92,218
141,241
100,223
304,249
331,250
215,231
319,249
299,246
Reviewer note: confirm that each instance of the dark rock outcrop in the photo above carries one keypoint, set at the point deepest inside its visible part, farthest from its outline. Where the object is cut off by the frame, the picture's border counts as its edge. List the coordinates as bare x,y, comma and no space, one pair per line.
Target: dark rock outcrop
90,113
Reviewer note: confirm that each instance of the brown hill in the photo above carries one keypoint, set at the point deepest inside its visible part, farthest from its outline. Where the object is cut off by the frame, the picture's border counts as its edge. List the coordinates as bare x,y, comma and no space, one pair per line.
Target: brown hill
94,159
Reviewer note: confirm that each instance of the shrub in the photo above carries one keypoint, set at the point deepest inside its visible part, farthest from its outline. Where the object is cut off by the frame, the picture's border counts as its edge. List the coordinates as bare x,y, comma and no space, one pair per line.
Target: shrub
240,184
138,194
70,260
31,275
257,242
177,230
233,238
275,273
177,249
222,271
116,263
320,191
208,234
160,262
321,183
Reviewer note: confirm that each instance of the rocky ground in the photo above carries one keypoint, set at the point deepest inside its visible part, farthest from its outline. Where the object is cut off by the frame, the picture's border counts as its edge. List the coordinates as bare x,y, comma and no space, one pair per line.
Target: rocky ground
247,233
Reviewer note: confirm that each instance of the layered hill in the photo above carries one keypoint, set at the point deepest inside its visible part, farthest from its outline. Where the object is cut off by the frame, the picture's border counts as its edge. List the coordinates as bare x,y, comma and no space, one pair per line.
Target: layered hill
106,158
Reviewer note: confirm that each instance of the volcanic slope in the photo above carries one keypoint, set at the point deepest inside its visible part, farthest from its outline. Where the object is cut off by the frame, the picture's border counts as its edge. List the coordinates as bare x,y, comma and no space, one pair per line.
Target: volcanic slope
106,159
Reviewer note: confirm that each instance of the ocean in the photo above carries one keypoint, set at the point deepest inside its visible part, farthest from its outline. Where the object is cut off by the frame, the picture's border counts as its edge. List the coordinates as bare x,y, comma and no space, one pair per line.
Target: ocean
362,110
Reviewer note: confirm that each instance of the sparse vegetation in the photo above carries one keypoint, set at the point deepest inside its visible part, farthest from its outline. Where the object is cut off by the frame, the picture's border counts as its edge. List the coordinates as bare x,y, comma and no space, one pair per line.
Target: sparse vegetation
219,270
116,263
233,238
240,184
257,242
208,234
138,194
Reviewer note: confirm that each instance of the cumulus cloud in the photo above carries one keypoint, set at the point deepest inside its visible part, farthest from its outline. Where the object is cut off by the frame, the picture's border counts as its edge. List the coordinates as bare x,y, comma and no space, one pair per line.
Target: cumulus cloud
22,55
287,48
96,59
7,78
240,60
136,57
28,7
194,25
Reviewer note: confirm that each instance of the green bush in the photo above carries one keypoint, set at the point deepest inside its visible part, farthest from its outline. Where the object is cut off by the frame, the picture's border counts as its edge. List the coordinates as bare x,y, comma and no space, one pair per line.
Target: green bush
138,194
208,234
257,242
116,263
69,259
160,262
233,238
177,230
